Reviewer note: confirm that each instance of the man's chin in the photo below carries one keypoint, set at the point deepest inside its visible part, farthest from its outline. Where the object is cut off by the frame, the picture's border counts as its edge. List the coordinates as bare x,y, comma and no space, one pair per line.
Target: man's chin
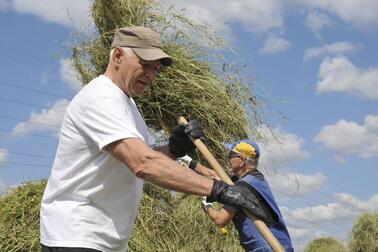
137,92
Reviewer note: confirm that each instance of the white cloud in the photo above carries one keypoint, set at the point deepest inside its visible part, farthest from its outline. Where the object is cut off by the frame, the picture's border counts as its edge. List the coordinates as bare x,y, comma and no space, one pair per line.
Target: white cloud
328,212
4,4
292,184
207,15
46,120
69,75
316,21
335,49
252,15
263,16
350,138
3,156
71,13
274,44
345,208
340,159
308,223
340,75
300,233
356,204
361,13
280,148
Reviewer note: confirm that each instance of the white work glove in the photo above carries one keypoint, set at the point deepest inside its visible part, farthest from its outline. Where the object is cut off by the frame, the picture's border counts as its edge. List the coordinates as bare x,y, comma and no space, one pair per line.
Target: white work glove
187,161
205,205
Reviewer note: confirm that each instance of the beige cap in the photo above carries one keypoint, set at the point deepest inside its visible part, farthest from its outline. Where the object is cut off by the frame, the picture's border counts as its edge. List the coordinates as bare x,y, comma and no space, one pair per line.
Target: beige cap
143,41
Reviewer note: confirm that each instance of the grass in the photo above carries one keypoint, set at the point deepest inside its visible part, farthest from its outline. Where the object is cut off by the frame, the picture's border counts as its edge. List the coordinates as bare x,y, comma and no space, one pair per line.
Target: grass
199,85
325,244
165,222
19,217
364,234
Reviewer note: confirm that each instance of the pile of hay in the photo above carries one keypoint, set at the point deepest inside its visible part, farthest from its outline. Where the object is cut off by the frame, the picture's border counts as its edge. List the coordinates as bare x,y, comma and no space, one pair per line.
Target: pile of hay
364,234
19,217
199,85
165,222
325,244
176,223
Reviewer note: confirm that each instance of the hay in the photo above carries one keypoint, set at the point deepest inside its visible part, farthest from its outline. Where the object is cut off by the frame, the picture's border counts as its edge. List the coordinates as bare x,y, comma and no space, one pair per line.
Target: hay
364,234
199,85
172,223
19,218
325,244
164,223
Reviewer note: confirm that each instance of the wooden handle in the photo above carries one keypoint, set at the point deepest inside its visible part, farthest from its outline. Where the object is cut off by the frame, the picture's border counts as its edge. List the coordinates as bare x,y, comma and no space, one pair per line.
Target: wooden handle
260,225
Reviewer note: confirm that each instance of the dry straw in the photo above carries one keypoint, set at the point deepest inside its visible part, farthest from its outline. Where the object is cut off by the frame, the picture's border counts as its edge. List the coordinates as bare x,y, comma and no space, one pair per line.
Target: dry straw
165,223
199,85
364,234
19,218
325,244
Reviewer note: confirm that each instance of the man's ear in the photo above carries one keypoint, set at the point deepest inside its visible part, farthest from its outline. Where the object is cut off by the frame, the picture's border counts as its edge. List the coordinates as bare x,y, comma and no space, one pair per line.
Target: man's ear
117,55
243,161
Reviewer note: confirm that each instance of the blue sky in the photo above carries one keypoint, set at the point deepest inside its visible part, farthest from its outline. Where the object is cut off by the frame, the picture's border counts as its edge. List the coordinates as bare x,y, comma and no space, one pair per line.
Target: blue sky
315,61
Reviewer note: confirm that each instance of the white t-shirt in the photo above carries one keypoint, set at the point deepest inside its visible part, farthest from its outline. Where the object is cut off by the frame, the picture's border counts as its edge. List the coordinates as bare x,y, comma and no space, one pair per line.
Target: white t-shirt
91,199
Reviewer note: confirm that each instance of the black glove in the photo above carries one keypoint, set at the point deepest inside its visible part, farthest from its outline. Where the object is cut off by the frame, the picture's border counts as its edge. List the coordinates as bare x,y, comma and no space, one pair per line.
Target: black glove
179,142
236,196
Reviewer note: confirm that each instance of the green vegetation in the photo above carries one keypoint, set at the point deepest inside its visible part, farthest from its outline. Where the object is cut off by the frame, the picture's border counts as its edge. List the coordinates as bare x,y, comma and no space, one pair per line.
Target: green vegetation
19,217
165,222
364,234
325,244
199,85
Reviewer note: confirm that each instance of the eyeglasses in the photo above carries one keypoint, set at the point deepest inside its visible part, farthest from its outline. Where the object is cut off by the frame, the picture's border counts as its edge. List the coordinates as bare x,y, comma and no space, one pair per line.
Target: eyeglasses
233,155
149,66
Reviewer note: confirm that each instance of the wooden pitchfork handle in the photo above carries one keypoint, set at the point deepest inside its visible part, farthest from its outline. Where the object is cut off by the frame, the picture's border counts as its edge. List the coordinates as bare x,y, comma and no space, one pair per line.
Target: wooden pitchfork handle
260,225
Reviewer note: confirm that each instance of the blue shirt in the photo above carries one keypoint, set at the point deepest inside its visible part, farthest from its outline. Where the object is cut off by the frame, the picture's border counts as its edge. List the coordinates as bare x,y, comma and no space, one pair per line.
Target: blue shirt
250,238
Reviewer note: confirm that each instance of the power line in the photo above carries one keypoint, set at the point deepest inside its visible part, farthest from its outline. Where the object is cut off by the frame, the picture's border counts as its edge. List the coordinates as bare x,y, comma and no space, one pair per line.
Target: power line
25,154
27,134
31,89
25,164
313,189
25,53
23,60
30,104
36,60
33,122
334,226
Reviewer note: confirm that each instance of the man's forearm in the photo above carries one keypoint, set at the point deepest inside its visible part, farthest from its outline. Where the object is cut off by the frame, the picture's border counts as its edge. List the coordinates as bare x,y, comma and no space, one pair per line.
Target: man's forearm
165,150
165,172
159,169
221,217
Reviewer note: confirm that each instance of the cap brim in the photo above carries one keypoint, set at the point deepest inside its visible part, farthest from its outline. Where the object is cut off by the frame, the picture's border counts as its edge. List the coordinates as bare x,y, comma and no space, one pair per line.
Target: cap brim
152,54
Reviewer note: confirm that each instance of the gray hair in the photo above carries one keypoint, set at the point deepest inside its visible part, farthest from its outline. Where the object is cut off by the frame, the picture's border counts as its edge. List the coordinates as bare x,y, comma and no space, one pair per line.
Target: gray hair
127,50
252,162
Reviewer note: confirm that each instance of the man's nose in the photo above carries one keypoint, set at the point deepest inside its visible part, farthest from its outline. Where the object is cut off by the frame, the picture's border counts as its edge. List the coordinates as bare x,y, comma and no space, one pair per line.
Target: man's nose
150,73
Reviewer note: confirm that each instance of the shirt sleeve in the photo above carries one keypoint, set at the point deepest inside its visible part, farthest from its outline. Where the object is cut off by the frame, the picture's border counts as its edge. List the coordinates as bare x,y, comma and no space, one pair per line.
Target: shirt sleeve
108,120
233,208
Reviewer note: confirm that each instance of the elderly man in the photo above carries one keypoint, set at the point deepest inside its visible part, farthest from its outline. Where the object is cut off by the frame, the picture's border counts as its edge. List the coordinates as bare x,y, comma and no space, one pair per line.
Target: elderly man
94,190
243,157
